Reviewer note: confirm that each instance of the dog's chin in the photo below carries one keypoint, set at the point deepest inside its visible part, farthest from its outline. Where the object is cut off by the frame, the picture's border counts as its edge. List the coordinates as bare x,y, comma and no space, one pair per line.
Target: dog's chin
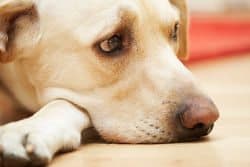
166,141
132,137
148,141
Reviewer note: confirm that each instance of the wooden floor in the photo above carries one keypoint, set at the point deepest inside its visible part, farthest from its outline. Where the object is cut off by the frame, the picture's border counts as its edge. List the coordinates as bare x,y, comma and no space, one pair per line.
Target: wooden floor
227,81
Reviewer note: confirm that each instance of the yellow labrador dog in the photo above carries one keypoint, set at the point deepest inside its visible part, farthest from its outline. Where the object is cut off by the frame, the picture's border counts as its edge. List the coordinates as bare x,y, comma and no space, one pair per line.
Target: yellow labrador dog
113,65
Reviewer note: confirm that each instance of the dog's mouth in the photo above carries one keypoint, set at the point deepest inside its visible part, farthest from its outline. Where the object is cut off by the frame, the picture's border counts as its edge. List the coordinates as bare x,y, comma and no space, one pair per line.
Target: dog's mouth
145,131
91,135
148,137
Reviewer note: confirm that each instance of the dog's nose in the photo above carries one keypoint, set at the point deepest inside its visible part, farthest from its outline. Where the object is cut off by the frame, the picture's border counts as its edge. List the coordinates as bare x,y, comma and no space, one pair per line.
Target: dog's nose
198,113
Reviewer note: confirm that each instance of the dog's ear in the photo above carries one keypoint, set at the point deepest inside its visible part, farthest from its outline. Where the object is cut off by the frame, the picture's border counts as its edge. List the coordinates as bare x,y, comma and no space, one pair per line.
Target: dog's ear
9,10
181,5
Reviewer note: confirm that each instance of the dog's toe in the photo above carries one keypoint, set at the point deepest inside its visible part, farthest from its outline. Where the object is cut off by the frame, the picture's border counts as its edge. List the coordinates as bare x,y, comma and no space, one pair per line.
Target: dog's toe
12,152
20,150
37,150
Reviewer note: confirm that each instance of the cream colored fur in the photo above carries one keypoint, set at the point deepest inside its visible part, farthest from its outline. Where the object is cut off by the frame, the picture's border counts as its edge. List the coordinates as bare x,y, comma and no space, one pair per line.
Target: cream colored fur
53,69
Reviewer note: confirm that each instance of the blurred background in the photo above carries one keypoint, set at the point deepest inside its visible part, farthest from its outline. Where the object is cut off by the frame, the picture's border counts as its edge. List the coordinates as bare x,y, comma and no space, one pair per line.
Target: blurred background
219,28
219,6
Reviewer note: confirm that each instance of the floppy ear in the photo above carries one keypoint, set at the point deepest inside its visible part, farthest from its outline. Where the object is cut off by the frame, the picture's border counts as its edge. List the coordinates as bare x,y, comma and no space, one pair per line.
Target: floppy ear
183,46
9,10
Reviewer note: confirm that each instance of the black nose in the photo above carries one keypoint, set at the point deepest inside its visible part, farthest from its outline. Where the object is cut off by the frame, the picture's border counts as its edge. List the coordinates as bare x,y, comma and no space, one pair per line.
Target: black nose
197,117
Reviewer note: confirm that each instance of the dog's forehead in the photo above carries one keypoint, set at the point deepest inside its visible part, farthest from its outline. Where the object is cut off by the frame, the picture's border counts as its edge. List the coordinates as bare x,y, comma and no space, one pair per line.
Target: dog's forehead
77,7
83,10
79,17
92,15
78,10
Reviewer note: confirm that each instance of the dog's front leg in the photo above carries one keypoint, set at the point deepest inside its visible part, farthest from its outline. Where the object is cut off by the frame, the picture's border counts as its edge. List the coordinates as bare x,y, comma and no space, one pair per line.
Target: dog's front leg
34,141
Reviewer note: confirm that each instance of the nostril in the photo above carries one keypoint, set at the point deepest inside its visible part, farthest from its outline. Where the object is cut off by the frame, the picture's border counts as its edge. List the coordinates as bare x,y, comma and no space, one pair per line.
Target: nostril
199,126
195,126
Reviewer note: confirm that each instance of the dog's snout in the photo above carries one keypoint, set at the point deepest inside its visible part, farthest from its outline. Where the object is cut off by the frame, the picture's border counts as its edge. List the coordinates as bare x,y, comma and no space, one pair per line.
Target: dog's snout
198,112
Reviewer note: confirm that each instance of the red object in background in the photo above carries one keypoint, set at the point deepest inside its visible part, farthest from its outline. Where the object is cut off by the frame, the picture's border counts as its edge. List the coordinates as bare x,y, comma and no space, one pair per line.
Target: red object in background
217,36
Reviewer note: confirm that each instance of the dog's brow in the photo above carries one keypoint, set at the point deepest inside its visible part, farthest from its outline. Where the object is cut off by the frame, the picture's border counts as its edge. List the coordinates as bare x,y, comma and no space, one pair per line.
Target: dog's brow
104,24
124,17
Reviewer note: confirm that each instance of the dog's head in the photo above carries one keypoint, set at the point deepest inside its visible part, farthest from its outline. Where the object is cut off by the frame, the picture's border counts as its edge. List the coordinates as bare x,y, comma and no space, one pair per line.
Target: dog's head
117,59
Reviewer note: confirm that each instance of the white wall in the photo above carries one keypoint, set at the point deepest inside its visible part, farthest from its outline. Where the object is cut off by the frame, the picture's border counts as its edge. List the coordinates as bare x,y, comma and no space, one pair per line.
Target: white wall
219,5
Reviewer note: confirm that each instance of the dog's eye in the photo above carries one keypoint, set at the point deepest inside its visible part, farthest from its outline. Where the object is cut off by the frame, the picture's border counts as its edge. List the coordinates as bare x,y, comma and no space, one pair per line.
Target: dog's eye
112,44
175,31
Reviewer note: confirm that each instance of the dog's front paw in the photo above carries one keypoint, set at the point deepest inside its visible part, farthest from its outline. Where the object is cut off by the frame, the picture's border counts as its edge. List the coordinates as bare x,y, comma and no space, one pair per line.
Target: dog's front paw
21,147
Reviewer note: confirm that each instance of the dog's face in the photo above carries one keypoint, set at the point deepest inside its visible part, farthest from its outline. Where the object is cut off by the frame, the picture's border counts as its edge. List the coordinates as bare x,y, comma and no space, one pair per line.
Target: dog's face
119,60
